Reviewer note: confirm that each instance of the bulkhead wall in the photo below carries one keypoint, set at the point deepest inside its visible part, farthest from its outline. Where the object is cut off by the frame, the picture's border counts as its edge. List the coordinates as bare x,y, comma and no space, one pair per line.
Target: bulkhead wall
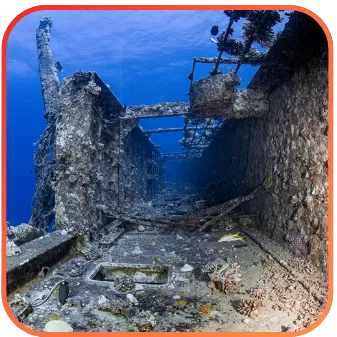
101,164
286,150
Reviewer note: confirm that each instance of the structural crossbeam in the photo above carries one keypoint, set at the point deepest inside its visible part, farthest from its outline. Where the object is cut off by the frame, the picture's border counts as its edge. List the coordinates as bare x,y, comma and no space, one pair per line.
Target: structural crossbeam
200,127
180,155
226,61
157,110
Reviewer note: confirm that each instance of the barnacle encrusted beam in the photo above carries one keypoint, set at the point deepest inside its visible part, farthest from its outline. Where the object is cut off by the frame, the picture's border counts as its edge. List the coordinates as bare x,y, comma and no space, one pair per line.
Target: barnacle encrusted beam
229,60
208,98
157,110
180,155
44,197
195,147
217,96
48,72
200,127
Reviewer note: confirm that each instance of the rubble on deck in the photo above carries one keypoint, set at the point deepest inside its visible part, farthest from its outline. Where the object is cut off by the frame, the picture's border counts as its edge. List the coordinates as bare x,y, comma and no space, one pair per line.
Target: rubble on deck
187,302
23,233
12,248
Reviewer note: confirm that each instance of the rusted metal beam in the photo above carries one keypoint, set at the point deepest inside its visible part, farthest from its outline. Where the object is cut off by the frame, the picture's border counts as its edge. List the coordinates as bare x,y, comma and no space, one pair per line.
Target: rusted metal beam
199,146
44,195
181,155
223,209
213,97
226,61
202,137
200,127
189,142
166,109
152,176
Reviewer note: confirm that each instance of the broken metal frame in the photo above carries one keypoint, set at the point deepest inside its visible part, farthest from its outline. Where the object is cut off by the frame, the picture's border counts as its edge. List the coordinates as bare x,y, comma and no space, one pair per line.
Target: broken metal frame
221,60
192,144
207,127
154,175
202,142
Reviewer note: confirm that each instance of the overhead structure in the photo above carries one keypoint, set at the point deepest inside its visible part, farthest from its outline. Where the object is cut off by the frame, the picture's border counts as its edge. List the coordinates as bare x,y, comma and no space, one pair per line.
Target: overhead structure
181,155
108,133
163,130
229,60
156,110
217,96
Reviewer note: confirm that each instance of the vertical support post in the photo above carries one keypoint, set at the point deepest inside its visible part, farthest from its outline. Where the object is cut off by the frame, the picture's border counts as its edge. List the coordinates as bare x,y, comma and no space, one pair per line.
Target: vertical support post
44,196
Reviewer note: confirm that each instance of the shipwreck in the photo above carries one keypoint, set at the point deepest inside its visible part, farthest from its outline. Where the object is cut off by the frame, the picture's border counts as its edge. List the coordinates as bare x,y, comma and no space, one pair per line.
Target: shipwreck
112,246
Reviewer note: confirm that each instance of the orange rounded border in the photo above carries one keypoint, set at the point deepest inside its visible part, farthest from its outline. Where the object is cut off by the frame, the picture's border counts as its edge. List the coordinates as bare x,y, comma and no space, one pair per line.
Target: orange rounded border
170,7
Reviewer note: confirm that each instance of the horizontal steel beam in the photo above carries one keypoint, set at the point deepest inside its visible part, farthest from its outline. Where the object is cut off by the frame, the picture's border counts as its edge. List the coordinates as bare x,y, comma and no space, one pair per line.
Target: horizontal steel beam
157,110
226,61
180,155
192,128
199,146
212,97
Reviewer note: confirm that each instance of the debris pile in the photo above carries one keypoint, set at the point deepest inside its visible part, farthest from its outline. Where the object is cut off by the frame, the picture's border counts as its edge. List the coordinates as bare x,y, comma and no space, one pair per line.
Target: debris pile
11,248
23,233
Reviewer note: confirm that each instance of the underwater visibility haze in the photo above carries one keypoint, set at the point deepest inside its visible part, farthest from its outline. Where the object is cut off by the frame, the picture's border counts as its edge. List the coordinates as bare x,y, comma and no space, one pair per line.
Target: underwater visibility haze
145,57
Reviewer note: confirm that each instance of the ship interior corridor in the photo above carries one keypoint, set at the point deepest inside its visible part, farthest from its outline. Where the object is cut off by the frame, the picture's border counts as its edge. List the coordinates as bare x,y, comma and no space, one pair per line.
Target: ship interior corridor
188,259
230,233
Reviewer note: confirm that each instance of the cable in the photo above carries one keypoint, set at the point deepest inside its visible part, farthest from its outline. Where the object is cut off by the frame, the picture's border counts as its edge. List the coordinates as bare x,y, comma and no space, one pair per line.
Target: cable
34,305
79,273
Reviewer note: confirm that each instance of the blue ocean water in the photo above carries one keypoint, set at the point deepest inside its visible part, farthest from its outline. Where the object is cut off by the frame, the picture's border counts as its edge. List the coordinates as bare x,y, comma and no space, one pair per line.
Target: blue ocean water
145,57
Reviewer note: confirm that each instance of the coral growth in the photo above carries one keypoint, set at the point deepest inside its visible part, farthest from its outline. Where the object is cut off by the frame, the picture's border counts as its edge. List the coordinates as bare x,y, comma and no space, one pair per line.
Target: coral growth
224,276
180,304
259,294
124,284
227,282
113,305
23,233
205,310
253,303
250,306
12,248
144,321
297,242
213,266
